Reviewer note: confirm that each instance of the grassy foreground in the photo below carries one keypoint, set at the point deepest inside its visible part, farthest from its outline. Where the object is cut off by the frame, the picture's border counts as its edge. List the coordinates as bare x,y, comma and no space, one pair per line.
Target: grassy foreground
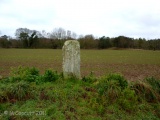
27,95
132,64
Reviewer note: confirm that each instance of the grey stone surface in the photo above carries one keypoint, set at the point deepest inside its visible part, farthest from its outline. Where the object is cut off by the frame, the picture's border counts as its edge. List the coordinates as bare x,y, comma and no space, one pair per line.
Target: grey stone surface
71,59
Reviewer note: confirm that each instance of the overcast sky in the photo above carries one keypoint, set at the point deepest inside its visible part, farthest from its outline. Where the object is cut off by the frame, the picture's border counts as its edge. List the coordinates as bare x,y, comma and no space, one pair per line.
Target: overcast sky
132,18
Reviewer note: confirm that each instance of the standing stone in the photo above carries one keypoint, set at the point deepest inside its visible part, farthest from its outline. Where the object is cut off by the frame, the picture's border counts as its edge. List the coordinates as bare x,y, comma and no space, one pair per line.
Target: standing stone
71,59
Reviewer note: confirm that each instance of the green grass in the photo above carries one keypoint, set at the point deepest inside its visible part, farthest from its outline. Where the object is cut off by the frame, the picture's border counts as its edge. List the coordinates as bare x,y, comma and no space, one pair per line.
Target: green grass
26,94
122,56
133,64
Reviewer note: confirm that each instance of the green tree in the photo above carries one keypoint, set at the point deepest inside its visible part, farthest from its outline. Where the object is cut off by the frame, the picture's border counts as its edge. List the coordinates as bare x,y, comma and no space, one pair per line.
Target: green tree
29,38
24,39
5,41
88,42
104,42
33,40
123,42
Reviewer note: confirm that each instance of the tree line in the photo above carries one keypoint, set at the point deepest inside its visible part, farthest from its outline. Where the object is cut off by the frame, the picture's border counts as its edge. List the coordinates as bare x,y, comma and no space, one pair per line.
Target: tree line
26,38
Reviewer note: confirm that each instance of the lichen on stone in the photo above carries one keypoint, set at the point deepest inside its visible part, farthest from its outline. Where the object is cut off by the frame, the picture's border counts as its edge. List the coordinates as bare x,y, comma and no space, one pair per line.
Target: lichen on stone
71,59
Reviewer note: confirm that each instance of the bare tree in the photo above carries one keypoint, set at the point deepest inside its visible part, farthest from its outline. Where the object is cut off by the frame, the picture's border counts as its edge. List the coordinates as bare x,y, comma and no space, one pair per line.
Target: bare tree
29,38
44,34
58,33
68,34
74,35
19,32
27,31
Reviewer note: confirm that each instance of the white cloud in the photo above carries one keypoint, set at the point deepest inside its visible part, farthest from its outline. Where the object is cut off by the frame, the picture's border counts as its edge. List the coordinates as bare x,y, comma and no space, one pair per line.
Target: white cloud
138,18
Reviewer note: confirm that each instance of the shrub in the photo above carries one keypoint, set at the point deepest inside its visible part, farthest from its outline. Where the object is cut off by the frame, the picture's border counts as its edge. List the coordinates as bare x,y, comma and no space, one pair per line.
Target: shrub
18,71
144,91
128,100
119,79
3,97
72,78
39,79
30,78
109,89
33,71
90,78
19,91
32,75
50,76
111,83
24,73
17,74
154,83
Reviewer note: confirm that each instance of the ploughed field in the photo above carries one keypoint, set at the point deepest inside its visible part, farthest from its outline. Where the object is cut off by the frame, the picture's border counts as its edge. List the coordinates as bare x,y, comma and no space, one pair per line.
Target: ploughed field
132,64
